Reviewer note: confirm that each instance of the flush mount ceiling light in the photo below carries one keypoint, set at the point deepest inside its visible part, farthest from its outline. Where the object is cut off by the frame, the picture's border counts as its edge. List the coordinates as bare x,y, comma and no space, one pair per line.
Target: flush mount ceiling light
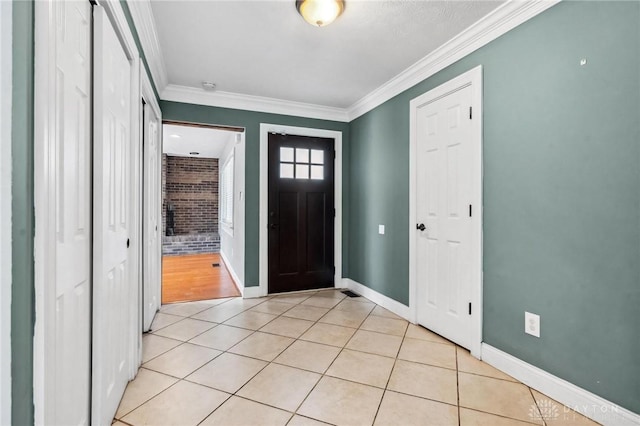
320,12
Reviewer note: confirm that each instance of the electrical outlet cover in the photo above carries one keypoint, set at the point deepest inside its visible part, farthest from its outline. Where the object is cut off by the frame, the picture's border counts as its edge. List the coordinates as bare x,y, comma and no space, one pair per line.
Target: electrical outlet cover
532,324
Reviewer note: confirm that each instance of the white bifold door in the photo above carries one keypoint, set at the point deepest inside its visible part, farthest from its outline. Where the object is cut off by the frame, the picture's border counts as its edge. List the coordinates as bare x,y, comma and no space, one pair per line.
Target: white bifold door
444,182
152,254
114,286
67,173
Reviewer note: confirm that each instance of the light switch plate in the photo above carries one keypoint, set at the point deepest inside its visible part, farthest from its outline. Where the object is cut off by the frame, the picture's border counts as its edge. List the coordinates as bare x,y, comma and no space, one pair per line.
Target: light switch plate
381,229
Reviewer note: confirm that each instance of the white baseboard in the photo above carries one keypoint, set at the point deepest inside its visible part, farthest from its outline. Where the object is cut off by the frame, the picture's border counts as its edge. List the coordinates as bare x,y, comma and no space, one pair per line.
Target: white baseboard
252,292
574,397
232,271
379,298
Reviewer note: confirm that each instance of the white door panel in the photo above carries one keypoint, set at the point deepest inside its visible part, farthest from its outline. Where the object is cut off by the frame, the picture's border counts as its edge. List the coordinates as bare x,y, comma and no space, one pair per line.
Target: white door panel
152,228
444,193
70,337
113,285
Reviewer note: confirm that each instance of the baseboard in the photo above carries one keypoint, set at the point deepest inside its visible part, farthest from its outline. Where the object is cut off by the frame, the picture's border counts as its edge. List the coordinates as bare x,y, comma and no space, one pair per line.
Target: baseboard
232,271
252,292
378,298
574,397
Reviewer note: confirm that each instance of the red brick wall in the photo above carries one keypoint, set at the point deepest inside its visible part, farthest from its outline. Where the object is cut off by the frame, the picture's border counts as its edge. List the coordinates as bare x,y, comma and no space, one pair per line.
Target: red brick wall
191,186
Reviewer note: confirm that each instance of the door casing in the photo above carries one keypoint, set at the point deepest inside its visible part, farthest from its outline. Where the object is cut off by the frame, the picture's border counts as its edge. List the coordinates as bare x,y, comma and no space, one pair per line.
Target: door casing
265,129
471,78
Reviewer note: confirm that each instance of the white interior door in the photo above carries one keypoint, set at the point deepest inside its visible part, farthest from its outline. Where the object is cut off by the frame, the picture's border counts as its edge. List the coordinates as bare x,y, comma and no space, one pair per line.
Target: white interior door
113,284
152,256
68,354
444,186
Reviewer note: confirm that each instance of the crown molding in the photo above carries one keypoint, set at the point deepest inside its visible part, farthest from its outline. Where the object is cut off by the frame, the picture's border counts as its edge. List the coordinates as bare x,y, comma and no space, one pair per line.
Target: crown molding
252,103
145,24
500,21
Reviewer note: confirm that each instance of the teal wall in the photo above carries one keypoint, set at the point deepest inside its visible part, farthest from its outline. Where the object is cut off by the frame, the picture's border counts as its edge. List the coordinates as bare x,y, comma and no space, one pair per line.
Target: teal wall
561,193
251,122
22,299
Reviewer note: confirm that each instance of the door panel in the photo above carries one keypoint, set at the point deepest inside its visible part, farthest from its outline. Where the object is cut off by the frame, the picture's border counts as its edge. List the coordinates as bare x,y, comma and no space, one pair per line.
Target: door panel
301,213
151,213
444,185
113,285
67,400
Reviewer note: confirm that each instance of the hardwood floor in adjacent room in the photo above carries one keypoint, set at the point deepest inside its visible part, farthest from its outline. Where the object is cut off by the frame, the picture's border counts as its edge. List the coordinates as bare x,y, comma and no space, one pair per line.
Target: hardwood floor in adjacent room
193,277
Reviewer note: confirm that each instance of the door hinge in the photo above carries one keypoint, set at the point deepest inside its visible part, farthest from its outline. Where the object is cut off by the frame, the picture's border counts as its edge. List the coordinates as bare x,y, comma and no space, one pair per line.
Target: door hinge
469,308
470,113
470,211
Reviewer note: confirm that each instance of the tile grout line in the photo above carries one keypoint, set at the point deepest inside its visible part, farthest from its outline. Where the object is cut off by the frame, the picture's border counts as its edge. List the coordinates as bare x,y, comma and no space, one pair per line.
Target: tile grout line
386,386
458,386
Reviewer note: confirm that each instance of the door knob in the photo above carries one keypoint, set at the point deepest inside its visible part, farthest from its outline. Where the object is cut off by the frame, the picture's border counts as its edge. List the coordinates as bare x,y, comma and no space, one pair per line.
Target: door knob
421,227
273,225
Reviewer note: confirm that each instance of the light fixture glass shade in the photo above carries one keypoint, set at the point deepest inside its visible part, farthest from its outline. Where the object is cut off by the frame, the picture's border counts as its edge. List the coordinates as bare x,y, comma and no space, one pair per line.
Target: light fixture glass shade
320,12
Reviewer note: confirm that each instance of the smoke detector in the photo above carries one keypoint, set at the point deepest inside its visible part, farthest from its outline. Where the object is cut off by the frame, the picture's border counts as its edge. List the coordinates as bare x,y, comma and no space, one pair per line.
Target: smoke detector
207,85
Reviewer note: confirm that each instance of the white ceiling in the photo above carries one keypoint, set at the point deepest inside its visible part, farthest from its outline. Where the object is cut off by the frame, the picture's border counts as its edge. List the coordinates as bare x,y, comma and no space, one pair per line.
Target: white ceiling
264,48
181,140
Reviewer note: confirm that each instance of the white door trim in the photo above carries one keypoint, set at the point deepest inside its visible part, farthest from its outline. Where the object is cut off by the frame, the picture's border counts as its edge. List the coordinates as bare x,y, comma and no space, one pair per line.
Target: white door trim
265,129
471,78
6,56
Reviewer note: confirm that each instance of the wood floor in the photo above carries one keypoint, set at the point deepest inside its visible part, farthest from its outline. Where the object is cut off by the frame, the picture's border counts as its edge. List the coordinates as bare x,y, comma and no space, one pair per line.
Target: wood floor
192,277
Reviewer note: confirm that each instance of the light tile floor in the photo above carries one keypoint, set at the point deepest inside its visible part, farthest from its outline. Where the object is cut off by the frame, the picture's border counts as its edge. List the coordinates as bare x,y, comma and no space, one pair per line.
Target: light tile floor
317,358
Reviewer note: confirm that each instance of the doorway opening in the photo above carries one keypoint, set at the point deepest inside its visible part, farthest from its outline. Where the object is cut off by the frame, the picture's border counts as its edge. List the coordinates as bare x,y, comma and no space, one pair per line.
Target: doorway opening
202,212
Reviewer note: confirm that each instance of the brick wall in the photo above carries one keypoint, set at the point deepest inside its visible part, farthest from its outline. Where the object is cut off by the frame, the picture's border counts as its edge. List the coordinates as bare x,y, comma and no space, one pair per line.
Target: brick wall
191,186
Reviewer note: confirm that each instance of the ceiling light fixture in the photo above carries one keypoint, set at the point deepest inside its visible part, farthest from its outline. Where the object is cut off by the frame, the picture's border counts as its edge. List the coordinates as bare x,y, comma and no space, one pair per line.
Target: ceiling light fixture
176,136
320,12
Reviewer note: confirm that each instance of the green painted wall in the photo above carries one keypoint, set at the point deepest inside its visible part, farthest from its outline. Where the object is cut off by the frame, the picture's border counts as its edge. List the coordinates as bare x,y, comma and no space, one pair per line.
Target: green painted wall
561,193
22,300
251,122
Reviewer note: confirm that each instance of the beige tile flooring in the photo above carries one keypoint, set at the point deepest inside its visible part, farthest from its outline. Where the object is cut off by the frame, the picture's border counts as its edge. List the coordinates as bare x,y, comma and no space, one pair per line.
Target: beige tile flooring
317,358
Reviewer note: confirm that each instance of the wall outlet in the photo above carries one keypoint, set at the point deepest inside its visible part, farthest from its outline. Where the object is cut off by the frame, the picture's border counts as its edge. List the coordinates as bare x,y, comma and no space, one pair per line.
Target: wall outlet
381,229
532,324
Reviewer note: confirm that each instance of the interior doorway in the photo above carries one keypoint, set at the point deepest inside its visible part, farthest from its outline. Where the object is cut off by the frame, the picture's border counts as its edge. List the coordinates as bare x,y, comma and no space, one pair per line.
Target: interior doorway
202,212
